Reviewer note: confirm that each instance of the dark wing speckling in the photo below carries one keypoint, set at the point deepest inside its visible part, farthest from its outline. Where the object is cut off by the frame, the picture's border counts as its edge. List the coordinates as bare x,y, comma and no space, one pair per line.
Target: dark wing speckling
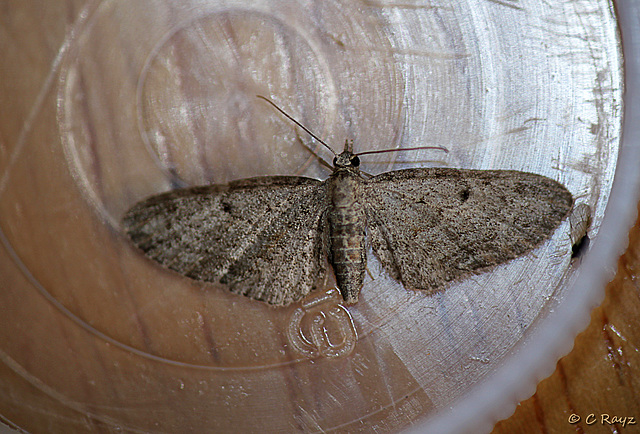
431,226
262,237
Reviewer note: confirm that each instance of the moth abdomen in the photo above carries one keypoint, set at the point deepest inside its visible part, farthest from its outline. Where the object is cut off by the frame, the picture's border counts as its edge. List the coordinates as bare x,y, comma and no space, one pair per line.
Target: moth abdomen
347,222
347,257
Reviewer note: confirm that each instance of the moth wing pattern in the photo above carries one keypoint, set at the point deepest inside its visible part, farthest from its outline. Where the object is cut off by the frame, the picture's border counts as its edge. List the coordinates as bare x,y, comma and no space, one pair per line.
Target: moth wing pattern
434,225
262,237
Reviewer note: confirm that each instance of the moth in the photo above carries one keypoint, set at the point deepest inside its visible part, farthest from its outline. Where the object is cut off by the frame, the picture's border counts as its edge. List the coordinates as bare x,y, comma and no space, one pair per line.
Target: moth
270,238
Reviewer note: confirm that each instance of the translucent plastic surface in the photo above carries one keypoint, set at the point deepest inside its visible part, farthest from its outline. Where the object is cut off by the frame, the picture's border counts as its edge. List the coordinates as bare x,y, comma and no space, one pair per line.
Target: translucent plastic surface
169,100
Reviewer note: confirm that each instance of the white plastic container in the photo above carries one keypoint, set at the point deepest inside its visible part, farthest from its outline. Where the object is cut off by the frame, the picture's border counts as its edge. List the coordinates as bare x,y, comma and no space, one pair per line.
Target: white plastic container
170,101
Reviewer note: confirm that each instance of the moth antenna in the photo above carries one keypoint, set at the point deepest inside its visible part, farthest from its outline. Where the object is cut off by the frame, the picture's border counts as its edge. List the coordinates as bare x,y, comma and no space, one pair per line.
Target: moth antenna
297,123
381,151
314,153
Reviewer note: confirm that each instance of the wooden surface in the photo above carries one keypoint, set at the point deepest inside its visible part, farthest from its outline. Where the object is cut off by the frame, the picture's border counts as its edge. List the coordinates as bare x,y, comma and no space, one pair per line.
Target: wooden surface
600,378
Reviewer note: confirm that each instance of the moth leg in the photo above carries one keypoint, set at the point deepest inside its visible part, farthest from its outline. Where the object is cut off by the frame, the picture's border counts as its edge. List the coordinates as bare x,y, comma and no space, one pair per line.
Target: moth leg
369,272
314,153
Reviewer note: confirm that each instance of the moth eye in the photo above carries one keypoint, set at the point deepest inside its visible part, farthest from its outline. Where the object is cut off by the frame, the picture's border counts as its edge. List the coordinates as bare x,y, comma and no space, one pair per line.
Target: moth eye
335,160
355,161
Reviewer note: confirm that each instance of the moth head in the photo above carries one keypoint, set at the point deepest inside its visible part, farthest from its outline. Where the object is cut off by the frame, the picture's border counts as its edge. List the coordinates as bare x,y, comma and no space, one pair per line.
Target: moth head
346,159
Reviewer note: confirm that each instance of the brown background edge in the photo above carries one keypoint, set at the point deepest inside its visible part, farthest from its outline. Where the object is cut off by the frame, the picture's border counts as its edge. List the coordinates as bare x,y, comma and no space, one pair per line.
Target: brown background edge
600,377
